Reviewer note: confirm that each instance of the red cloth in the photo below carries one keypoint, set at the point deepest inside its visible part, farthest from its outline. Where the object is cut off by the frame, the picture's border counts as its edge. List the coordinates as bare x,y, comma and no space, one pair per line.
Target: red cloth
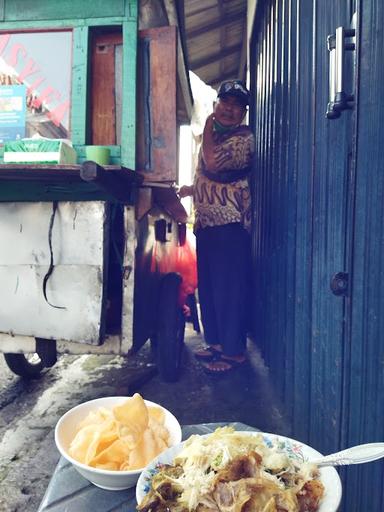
180,259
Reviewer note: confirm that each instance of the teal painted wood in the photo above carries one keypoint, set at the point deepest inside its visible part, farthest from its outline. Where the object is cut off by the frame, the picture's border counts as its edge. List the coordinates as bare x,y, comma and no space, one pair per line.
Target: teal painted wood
275,120
57,9
331,194
60,24
332,145
309,243
288,161
301,133
131,9
79,86
2,10
128,129
83,16
366,390
260,276
276,199
45,191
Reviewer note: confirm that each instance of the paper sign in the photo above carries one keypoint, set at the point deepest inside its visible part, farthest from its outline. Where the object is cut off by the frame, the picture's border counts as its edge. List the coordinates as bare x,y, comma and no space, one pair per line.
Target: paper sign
12,112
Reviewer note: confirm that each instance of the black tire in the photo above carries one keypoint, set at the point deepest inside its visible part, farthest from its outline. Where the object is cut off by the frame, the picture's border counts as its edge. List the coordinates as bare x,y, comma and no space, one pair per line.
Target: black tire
170,329
28,366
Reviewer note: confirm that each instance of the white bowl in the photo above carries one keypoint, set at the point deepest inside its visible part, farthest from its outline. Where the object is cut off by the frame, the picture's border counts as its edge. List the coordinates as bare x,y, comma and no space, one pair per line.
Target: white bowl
66,429
294,449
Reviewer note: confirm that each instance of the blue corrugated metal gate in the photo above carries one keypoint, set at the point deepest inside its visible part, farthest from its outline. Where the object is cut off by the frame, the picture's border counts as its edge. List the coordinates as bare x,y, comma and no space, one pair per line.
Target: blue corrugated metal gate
318,197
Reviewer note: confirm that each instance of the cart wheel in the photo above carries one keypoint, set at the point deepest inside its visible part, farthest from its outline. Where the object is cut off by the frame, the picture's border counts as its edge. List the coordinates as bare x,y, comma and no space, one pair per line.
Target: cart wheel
25,365
170,329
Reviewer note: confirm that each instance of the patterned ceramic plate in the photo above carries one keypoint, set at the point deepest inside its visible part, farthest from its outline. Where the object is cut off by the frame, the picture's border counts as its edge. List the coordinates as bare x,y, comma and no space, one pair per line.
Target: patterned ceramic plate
299,451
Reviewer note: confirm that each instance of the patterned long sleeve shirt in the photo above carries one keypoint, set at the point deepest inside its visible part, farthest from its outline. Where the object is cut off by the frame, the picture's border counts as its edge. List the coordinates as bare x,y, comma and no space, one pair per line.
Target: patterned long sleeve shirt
216,203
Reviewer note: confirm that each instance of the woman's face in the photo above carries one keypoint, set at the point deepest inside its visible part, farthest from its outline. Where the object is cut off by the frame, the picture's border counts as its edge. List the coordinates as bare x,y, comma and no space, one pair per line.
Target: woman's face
229,110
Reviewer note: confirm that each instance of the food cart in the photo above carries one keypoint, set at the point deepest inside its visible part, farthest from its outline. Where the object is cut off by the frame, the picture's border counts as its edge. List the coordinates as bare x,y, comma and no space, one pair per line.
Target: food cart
77,268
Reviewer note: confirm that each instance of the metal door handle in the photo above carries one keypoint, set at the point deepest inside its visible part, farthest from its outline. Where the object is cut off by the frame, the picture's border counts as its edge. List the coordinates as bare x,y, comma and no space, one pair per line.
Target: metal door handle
332,113
339,100
343,100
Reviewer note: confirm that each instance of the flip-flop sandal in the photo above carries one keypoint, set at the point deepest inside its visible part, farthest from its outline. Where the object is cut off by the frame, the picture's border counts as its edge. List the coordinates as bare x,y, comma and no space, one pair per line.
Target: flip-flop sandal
231,366
208,354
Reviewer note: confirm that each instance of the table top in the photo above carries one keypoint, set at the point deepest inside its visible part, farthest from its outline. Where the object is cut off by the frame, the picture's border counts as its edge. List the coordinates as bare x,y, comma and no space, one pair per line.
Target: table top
69,491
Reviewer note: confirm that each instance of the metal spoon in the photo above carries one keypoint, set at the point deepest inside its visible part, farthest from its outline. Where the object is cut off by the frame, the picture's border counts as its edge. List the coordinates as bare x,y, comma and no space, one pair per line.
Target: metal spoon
355,455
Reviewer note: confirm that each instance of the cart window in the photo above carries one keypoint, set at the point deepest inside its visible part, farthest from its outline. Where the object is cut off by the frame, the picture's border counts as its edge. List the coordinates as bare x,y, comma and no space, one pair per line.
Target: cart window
106,107
35,76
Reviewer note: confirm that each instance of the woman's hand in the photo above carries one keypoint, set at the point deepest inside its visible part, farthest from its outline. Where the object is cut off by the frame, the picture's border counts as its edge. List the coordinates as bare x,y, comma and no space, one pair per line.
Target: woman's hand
209,123
208,144
185,191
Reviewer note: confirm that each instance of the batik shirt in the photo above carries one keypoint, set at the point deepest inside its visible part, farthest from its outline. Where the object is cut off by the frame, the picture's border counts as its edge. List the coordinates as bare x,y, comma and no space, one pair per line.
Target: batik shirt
217,204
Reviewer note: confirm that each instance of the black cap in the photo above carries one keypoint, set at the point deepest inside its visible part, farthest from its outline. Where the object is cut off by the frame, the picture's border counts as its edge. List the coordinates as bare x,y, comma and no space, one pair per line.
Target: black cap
234,88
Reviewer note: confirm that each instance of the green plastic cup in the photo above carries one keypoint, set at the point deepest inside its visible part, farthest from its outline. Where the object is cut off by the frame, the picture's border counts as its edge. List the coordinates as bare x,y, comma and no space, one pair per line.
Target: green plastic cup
98,154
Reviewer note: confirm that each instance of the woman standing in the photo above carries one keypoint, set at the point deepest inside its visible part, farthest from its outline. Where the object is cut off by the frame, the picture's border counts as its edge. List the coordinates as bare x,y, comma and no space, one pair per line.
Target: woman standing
222,205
